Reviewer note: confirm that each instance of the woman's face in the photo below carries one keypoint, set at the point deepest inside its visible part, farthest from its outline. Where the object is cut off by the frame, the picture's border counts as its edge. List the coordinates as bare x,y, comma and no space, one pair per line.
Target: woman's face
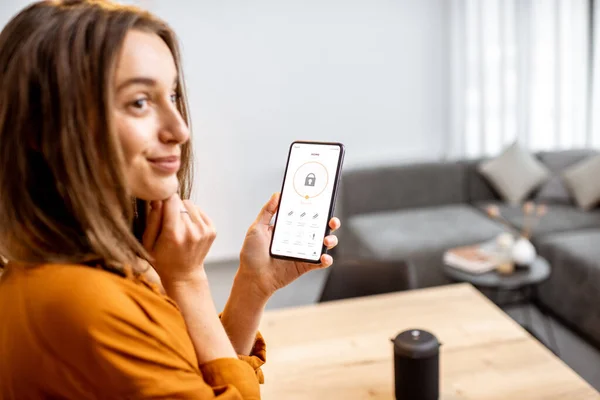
149,126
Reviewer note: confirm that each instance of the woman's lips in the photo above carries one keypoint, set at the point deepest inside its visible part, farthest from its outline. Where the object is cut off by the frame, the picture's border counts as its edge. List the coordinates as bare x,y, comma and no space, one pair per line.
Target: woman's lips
167,165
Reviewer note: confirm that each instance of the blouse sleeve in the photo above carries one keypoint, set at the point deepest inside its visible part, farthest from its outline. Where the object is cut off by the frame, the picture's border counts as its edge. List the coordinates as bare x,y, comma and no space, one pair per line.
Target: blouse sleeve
257,357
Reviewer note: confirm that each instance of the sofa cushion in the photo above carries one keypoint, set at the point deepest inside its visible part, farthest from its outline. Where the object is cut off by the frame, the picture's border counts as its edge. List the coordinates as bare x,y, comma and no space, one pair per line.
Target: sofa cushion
515,173
554,191
407,233
572,290
560,218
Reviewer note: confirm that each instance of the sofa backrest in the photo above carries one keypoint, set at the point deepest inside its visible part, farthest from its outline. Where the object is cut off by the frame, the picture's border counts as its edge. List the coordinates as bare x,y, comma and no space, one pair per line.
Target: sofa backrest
479,190
477,187
556,161
430,184
402,186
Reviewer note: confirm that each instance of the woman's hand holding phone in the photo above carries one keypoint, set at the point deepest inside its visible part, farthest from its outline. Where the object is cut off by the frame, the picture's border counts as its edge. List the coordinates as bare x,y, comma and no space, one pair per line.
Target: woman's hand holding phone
260,276
271,274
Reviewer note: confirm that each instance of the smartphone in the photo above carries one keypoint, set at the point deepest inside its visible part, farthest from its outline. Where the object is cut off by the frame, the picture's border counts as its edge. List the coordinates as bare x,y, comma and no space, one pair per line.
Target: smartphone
307,201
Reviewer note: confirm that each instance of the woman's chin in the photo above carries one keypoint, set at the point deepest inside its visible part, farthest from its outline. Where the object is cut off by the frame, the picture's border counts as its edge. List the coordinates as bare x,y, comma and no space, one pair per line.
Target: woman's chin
158,192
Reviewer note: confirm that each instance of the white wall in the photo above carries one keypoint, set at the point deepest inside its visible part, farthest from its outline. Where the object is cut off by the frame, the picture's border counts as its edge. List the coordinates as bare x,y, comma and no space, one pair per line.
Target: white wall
372,74
369,73
8,8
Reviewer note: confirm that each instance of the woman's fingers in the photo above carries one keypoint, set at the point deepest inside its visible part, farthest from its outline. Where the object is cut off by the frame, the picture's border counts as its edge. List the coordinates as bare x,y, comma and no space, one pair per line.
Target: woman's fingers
330,241
193,230
193,220
183,241
205,219
266,213
153,225
335,224
326,260
192,212
172,213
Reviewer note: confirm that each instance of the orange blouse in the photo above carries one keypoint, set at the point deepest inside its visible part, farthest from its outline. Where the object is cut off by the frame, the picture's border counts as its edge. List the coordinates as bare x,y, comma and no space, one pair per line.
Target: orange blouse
75,332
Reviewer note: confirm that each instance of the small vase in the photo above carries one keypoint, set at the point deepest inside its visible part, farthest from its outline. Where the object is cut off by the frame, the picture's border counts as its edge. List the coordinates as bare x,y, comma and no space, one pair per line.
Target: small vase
523,252
506,267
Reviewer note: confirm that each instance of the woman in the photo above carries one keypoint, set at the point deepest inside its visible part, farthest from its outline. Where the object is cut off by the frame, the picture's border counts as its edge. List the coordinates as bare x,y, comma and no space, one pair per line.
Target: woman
95,158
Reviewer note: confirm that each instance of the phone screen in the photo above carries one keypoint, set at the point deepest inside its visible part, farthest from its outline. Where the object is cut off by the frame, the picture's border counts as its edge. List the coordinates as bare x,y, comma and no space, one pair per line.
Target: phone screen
306,203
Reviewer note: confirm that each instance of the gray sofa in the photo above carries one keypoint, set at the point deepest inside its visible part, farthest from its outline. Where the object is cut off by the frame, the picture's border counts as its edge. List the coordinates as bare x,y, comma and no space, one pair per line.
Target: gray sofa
416,212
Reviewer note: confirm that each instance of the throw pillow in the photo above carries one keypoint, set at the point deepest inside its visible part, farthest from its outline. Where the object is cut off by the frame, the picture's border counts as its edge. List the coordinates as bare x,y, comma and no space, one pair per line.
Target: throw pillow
514,174
583,180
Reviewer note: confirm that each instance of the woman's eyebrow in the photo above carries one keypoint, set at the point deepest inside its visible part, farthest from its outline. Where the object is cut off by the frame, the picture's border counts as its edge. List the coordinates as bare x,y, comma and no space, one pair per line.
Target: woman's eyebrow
139,80
142,80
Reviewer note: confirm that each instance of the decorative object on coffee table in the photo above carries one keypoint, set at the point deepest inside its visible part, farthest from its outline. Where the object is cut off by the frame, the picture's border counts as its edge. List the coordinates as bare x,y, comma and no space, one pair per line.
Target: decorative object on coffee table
521,286
506,267
523,252
504,245
484,257
532,213
473,259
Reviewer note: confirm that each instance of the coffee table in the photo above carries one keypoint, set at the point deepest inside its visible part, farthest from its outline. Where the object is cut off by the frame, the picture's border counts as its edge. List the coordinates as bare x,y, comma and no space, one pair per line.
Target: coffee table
342,349
502,289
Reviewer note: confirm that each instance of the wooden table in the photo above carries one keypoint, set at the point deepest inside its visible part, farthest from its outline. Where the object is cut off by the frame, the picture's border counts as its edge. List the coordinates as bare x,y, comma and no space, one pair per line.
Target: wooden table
342,349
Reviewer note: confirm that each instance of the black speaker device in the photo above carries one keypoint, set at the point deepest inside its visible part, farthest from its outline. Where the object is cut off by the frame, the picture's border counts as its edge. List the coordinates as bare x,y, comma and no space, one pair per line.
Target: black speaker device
417,365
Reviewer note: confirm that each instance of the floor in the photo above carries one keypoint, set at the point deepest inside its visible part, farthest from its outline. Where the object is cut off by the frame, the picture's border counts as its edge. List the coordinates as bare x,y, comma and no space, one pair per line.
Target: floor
578,354
582,357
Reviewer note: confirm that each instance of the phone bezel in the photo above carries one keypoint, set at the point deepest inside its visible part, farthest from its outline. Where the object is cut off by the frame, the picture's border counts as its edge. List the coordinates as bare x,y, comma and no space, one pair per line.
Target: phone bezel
331,203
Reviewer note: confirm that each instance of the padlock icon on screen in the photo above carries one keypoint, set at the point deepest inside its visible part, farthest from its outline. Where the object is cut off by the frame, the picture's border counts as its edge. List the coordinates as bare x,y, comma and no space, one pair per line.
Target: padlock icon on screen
310,180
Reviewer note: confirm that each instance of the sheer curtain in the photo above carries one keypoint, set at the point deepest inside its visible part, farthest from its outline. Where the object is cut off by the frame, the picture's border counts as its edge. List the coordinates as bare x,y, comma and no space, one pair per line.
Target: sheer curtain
520,71
595,95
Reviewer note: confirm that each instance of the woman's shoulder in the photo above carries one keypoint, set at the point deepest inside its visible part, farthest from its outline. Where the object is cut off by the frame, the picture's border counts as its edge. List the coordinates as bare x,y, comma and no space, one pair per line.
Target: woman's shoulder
108,325
79,295
68,283
87,305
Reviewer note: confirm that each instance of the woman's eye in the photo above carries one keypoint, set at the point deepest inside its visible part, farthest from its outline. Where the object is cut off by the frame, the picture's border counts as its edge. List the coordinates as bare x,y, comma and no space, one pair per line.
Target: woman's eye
140,104
174,98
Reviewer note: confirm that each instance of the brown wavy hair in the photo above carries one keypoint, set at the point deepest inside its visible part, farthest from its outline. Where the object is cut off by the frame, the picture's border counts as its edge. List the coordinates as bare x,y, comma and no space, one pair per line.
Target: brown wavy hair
63,197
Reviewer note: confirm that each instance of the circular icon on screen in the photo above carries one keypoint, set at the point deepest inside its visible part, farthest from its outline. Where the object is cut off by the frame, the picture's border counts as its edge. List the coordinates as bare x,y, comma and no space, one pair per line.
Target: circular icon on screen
311,179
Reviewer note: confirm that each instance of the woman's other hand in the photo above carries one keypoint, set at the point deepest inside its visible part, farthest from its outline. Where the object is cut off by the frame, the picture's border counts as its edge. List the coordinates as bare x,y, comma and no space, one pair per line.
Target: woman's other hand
178,236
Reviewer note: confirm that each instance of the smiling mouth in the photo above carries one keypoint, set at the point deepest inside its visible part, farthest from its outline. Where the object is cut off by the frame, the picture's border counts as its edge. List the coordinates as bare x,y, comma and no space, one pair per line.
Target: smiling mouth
166,165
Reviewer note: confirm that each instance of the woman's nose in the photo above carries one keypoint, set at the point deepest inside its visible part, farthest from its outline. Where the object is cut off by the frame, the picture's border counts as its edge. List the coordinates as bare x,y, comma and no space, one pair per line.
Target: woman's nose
175,128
